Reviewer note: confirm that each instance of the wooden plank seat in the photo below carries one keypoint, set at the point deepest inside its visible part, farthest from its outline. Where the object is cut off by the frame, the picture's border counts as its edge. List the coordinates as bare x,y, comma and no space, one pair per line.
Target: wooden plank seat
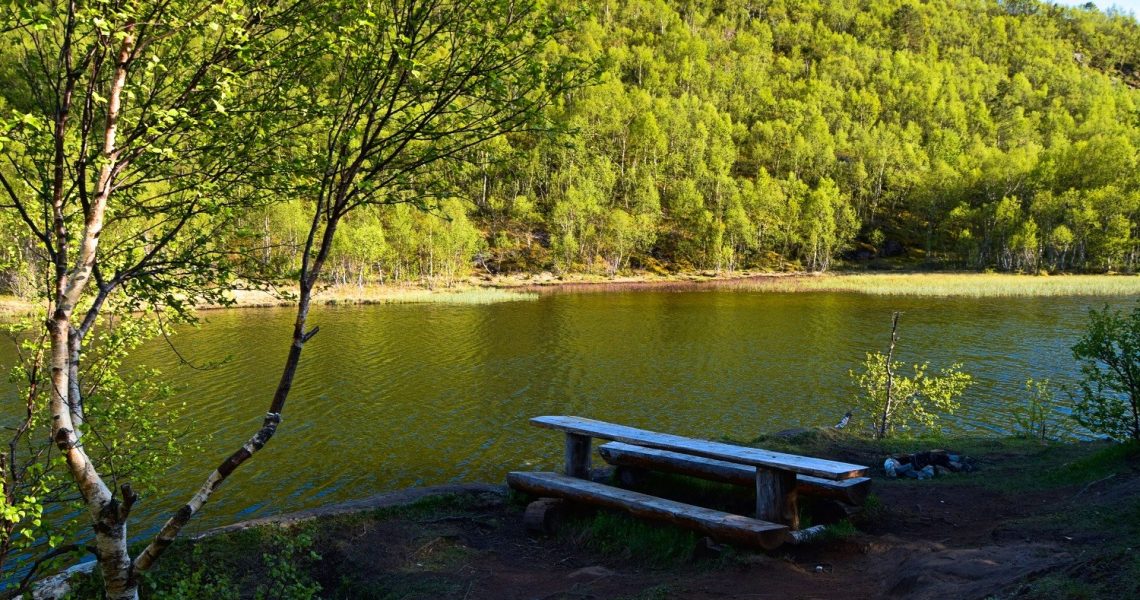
775,473
719,525
851,491
755,457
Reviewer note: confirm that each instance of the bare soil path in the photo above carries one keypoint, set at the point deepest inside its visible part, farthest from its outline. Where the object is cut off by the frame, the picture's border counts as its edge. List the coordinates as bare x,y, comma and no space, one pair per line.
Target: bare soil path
993,533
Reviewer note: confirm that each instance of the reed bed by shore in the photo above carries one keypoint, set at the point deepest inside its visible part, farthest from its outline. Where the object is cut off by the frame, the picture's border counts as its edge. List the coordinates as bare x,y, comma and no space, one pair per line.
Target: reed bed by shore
970,285
352,294
517,288
12,307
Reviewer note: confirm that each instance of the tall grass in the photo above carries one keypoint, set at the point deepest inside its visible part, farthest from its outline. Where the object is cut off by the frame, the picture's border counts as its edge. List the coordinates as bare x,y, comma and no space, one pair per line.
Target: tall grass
421,296
350,294
12,307
970,285
625,537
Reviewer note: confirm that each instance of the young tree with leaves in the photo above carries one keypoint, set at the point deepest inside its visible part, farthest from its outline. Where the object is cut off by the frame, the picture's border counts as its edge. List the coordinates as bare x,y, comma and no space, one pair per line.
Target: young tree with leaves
894,401
404,86
122,163
1109,353
131,118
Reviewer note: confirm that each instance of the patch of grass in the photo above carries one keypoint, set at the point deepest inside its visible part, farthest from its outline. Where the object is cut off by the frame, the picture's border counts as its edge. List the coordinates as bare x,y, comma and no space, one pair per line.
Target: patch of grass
873,509
621,536
843,530
1103,463
1114,574
970,285
694,490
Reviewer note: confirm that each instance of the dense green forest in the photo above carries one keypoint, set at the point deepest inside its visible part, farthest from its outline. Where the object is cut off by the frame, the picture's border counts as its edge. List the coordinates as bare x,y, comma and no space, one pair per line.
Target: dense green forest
783,134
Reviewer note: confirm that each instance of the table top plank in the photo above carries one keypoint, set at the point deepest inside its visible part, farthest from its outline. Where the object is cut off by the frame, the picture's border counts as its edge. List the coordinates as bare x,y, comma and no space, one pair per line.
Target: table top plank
756,457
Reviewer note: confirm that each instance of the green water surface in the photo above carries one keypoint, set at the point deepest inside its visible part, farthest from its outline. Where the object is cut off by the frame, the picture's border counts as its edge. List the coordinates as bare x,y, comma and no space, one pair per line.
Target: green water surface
409,395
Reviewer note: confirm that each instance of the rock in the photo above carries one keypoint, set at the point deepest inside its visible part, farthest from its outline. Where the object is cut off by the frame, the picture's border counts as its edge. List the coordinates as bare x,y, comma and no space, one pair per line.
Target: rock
894,468
593,572
707,548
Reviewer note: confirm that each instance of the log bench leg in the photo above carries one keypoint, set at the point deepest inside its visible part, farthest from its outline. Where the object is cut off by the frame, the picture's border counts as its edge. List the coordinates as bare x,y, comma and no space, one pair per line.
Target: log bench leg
544,516
578,455
776,499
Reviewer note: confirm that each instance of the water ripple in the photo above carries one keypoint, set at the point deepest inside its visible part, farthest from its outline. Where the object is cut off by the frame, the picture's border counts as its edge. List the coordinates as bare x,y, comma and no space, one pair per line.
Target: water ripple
390,396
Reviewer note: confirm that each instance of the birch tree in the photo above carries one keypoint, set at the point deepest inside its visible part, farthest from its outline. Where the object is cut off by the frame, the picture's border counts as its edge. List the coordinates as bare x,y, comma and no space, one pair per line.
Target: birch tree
132,119
405,86
121,161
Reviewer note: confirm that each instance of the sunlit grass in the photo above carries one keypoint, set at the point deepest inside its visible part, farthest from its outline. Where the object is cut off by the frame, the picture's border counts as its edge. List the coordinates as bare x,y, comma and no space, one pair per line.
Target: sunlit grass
12,307
351,294
385,295
971,285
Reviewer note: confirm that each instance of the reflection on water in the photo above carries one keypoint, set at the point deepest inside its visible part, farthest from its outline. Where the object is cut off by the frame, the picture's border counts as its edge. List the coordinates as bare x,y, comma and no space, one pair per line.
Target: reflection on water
400,395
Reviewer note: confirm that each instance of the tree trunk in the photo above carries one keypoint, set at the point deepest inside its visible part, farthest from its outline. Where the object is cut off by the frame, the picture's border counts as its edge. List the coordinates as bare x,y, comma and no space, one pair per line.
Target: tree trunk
108,516
890,377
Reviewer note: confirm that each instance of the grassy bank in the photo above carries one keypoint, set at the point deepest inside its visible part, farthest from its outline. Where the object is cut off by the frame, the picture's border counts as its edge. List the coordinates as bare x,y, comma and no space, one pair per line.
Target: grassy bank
382,294
12,307
527,287
1036,520
970,285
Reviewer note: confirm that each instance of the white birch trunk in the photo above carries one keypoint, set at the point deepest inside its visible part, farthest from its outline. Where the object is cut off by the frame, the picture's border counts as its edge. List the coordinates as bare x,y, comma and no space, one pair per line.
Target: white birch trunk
108,516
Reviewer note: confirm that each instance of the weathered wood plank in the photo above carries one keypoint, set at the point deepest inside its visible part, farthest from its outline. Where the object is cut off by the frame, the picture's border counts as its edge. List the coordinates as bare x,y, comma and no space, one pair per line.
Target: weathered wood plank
776,498
578,455
716,524
852,491
817,467
544,515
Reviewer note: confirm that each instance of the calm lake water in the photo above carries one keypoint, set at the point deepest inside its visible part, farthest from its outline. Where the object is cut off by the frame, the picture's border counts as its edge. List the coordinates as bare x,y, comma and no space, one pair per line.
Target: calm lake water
409,395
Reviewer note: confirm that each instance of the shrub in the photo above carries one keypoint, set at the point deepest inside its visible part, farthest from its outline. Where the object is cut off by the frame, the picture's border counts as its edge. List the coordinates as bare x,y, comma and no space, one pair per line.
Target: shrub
1109,395
1036,418
895,402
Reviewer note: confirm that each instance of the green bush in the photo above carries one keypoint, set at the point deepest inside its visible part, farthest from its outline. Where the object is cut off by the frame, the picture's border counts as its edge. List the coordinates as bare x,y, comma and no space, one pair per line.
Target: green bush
1109,398
1037,418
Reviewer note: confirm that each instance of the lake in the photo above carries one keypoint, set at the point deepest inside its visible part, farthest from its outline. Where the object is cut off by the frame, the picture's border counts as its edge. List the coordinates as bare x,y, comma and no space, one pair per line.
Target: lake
390,396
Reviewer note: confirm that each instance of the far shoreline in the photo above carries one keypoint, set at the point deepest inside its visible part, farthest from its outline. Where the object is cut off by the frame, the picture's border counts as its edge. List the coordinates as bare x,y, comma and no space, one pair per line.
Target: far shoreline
487,289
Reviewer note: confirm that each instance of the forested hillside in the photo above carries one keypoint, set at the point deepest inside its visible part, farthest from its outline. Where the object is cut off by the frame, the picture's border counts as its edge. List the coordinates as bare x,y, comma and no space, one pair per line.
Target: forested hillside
781,134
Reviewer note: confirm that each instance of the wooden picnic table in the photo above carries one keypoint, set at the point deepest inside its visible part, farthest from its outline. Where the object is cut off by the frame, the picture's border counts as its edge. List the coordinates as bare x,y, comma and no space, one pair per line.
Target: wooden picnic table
775,472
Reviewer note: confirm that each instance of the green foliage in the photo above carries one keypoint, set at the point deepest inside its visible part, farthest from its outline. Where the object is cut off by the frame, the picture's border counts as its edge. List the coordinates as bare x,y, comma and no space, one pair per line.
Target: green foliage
716,137
192,580
1109,352
31,480
127,410
131,433
289,563
1036,417
267,564
916,401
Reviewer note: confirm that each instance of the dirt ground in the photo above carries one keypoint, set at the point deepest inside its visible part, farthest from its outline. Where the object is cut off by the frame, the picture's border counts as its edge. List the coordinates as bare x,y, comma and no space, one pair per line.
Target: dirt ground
992,533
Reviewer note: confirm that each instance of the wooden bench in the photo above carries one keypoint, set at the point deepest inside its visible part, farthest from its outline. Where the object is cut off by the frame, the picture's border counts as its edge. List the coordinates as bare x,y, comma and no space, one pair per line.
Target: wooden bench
720,525
851,491
775,475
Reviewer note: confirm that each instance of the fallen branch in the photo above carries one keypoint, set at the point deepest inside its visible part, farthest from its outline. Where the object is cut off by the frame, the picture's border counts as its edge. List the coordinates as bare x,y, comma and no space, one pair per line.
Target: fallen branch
1090,484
